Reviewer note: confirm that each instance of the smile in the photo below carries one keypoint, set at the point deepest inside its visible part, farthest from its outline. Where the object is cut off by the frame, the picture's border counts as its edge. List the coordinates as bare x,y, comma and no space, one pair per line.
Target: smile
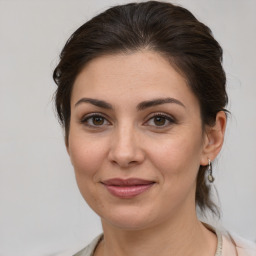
128,188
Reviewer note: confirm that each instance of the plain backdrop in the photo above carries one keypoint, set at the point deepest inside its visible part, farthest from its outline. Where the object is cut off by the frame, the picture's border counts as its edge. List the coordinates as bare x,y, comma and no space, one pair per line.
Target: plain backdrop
41,210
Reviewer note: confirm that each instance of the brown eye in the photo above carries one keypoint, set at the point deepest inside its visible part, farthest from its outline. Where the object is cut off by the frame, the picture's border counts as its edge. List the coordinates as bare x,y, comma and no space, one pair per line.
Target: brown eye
98,120
95,121
159,120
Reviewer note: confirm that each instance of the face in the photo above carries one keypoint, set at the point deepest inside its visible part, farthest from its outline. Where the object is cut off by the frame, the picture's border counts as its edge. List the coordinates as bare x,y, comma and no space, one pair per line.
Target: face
136,140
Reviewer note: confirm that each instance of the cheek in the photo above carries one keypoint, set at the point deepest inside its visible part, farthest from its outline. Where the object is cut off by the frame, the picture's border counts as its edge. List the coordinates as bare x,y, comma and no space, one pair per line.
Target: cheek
87,155
177,162
177,157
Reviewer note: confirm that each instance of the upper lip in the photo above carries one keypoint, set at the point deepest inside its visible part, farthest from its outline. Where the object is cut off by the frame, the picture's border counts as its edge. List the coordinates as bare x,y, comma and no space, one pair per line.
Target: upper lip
126,182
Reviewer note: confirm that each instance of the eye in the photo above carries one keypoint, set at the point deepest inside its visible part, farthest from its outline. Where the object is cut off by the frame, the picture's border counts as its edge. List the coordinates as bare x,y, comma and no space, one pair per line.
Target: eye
160,120
95,120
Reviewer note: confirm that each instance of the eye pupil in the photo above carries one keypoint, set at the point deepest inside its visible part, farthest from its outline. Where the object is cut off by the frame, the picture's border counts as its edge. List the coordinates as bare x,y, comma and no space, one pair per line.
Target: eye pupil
159,120
97,120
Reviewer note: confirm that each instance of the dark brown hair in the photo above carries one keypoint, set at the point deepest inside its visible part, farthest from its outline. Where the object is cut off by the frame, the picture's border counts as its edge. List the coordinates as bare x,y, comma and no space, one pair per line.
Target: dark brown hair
169,30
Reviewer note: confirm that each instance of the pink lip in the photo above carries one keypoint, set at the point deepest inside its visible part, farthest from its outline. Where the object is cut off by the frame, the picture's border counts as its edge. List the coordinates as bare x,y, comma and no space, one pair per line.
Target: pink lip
127,188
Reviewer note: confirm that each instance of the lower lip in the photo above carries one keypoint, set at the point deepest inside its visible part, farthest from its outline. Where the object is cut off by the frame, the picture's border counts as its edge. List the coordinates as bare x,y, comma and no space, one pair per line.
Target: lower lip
128,191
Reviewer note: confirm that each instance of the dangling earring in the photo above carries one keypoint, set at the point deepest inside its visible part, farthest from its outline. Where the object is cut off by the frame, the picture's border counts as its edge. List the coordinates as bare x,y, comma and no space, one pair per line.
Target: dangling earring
209,169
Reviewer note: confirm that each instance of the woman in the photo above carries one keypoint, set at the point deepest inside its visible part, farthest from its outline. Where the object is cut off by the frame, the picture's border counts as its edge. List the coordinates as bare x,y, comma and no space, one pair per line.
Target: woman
141,95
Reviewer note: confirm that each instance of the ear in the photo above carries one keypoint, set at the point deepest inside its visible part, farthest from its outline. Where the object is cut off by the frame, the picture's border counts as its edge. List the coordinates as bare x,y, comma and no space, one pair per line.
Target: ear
67,144
214,138
68,149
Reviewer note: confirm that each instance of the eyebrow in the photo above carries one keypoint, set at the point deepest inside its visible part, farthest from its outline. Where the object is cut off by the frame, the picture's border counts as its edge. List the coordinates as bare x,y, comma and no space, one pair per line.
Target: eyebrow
141,106
159,101
97,103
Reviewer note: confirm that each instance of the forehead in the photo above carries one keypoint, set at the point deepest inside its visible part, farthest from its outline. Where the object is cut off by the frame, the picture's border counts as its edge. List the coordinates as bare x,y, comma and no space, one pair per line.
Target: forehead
142,74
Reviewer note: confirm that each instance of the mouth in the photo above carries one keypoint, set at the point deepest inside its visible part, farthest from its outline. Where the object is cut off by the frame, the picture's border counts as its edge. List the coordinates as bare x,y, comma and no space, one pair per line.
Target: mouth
127,188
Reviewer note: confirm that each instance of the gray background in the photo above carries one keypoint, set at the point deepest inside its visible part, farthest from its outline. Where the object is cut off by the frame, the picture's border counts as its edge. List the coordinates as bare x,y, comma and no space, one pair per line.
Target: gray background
41,210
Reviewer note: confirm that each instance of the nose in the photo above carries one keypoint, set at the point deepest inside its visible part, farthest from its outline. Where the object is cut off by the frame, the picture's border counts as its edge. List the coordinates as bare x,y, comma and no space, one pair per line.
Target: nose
126,150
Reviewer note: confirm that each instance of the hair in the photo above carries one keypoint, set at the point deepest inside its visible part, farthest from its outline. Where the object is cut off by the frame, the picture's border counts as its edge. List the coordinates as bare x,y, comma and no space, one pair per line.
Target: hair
167,29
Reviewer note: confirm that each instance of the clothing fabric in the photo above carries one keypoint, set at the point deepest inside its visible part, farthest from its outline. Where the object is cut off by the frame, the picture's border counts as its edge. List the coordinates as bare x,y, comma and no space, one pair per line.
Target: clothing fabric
227,246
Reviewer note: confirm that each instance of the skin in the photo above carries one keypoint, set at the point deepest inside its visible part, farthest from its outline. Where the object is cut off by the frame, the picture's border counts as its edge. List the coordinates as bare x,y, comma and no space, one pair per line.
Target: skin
127,142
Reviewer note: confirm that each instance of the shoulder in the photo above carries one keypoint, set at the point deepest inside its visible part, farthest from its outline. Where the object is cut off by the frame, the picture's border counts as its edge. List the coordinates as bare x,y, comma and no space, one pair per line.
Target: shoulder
235,245
89,249
230,244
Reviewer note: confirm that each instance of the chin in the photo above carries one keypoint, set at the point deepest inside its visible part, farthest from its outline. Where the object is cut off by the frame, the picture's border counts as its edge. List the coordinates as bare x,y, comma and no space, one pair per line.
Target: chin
128,224
128,219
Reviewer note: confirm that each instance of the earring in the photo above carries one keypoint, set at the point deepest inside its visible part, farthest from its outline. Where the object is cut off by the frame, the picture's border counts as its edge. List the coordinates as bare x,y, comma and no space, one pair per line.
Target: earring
209,169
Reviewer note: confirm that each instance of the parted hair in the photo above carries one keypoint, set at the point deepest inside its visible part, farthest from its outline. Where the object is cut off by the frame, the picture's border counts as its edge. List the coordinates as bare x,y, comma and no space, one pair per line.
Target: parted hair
162,27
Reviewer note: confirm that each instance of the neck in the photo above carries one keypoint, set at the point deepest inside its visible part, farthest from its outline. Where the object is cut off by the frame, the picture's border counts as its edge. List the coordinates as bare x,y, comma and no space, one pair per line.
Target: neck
183,235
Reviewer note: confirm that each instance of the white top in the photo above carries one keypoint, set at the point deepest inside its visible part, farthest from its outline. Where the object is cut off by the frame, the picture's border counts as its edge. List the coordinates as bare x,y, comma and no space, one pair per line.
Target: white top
227,246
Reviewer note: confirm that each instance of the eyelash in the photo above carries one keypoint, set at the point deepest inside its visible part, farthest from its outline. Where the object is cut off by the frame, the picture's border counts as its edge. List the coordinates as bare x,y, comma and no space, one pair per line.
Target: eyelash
85,120
168,118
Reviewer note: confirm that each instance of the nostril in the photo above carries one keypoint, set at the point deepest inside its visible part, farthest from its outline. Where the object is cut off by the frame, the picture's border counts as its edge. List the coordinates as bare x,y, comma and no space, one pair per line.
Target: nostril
124,164
125,156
